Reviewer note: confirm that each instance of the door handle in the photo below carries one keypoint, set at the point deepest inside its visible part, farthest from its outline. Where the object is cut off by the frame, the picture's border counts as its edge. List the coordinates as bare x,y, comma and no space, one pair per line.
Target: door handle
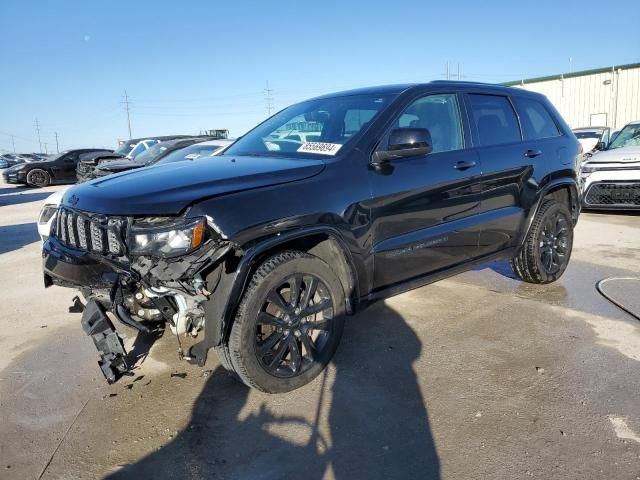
462,165
532,153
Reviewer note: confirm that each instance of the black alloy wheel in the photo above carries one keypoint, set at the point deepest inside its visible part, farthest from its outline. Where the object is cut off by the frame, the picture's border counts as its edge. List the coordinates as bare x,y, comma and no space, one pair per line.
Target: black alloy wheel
288,325
38,178
554,243
294,325
546,251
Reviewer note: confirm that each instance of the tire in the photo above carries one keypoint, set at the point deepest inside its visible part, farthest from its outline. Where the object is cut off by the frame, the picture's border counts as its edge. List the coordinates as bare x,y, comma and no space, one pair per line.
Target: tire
275,346
547,249
38,178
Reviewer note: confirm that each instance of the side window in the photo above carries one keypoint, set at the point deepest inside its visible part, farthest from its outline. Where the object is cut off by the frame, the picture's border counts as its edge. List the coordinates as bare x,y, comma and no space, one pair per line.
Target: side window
440,115
536,121
495,119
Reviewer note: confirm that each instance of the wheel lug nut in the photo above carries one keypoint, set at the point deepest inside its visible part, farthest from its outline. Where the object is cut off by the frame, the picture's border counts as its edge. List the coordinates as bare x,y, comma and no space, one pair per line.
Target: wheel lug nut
297,333
286,333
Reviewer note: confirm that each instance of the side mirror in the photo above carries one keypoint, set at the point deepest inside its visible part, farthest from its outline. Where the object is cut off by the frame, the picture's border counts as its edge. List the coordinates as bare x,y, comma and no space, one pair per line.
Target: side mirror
600,146
405,142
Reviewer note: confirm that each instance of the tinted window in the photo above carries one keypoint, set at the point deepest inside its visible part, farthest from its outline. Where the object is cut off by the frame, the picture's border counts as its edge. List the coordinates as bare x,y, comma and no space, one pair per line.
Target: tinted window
440,115
536,120
495,119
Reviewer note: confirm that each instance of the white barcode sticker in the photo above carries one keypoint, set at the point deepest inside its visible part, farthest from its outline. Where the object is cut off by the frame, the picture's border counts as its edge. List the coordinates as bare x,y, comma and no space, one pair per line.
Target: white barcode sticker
320,147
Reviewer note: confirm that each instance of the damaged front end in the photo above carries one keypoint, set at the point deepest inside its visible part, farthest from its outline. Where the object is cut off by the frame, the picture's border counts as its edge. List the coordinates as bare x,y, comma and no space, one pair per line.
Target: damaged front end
144,271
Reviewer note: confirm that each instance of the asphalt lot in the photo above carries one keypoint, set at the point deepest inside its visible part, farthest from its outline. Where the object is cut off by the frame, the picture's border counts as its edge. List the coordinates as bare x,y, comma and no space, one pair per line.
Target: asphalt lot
478,376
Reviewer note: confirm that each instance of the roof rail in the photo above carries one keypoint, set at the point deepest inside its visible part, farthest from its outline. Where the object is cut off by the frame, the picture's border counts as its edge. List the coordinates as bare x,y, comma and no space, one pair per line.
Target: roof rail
466,82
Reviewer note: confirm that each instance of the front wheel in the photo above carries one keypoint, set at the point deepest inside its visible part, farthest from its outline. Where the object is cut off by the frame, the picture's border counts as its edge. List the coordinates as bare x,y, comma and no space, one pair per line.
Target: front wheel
547,249
289,323
38,178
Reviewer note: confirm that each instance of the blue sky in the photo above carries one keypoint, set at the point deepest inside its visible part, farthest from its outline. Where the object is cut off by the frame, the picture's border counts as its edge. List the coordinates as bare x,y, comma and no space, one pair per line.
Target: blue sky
193,65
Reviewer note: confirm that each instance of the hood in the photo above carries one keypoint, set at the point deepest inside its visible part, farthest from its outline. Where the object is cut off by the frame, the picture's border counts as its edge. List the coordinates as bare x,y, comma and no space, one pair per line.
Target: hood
19,166
617,155
118,165
54,198
169,189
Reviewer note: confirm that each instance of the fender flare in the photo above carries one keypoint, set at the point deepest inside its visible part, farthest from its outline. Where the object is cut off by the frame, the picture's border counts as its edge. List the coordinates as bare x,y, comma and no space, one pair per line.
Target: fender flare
223,303
533,211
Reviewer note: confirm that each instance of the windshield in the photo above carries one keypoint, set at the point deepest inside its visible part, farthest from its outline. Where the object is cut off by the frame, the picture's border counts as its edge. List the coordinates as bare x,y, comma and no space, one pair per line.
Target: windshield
51,159
582,135
125,148
628,136
151,154
190,153
137,150
314,128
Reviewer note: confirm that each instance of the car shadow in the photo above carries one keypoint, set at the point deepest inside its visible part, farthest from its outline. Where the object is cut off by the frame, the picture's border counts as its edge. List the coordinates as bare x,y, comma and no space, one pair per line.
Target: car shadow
501,267
16,189
20,197
364,417
13,237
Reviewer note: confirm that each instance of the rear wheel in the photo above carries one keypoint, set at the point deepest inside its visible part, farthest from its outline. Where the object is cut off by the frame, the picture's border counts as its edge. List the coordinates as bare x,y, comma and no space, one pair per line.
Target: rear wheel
289,323
38,178
547,249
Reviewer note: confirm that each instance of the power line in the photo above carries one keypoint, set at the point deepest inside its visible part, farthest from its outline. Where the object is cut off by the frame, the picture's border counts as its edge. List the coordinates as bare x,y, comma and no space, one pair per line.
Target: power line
268,98
37,125
126,104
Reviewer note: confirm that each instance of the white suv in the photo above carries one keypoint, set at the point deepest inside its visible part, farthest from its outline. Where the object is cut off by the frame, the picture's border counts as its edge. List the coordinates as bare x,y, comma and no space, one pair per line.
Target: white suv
610,178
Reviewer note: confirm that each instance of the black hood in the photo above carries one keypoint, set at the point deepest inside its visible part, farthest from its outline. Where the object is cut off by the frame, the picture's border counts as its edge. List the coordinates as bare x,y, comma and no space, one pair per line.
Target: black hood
114,166
169,189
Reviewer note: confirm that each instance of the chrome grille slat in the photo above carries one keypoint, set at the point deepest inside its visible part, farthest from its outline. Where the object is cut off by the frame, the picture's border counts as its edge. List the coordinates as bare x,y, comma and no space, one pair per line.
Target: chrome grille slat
71,234
90,233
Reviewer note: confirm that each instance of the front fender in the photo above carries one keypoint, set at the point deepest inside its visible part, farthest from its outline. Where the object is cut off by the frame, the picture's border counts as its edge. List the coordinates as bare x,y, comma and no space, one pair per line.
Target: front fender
232,278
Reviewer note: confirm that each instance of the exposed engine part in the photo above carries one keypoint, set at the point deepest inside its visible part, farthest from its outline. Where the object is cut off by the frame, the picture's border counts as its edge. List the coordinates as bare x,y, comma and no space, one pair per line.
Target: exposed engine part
189,317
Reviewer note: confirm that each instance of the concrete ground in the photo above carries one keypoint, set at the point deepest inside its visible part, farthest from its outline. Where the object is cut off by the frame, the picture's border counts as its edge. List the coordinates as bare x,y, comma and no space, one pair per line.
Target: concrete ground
478,376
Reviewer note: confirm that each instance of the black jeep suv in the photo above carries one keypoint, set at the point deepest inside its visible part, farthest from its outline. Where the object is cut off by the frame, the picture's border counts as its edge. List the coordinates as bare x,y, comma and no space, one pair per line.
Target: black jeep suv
326,206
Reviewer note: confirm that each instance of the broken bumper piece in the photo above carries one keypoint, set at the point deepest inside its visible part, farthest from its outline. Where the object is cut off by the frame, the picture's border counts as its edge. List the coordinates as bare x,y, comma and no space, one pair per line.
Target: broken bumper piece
113,357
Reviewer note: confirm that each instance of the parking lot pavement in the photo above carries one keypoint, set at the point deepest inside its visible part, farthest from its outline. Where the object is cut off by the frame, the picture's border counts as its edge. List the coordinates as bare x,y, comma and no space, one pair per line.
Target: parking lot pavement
478,376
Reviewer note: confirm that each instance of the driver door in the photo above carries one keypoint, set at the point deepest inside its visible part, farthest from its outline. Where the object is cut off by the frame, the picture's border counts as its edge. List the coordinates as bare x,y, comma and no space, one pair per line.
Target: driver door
67,166
424,207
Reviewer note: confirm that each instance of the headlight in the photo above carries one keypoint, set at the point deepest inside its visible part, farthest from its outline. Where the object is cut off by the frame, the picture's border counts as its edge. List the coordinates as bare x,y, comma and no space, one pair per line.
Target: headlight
166,237
46,213
585,171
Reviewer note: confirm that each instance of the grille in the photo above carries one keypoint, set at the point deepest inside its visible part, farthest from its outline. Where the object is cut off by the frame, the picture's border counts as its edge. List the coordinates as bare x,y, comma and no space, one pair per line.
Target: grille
99,234
613,194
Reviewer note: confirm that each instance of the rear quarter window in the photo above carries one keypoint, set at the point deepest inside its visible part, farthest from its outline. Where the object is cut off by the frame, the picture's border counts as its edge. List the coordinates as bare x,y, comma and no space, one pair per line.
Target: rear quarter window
537,122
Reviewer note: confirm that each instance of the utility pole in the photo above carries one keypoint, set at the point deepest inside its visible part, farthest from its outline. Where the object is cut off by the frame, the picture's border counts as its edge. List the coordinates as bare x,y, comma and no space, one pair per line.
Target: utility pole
268,98
448,72
37,125
126,104
459,76
13,142
57,146
45,148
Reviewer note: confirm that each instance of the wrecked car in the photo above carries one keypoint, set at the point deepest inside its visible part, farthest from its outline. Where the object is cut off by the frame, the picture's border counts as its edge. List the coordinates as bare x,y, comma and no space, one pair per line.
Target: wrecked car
262,253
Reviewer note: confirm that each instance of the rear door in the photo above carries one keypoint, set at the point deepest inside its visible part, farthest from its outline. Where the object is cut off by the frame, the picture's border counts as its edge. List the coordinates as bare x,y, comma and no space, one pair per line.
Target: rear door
506,167
423,208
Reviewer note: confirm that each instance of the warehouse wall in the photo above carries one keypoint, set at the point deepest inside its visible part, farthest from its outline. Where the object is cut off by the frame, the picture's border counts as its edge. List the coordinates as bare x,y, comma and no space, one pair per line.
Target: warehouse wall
578,97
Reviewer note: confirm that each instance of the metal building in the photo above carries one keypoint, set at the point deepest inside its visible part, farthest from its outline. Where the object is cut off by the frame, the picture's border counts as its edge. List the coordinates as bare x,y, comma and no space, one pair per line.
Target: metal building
601,97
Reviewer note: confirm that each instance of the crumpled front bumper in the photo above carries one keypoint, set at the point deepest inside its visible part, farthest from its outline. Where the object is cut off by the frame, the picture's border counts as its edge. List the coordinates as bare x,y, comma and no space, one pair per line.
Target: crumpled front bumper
68,267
